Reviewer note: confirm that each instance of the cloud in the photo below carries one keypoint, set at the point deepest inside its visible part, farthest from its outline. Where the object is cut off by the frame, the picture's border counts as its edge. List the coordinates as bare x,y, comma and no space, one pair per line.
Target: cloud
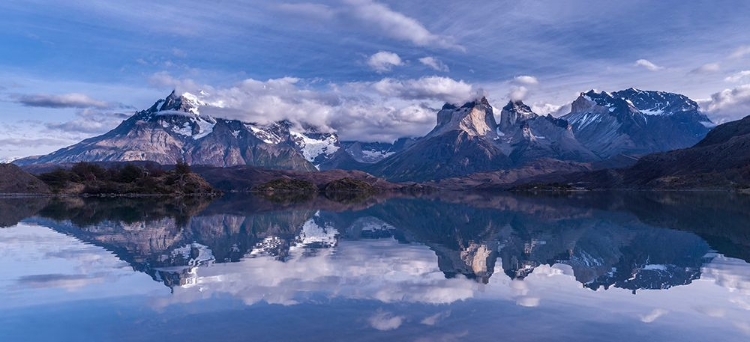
33,142
179,53
706,68
316,11
383,110
433,87
529,302
518,93
397,25
653,315
385,321
549,108
69,282
90,121
434,63
741,52
648,65
525,80
737,77
434,319
72,100
165,79
519,87
384,61
728,104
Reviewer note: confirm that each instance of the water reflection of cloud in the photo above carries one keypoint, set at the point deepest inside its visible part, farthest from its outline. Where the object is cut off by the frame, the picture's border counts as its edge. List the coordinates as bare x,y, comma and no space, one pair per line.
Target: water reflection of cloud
70,282
732,274
653,315
41,266
381,270
528,302
384,320
434,319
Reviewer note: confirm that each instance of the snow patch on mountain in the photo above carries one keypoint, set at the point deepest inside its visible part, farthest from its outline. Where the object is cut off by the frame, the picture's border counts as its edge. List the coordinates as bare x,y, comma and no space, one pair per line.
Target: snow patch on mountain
269,246
205,128
185,129
192,103
313,148
652,111
314,235
195,253
376,155
265,135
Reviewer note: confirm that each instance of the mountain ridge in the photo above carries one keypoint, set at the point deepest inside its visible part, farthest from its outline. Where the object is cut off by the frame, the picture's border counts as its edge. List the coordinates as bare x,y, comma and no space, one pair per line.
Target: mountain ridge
466,139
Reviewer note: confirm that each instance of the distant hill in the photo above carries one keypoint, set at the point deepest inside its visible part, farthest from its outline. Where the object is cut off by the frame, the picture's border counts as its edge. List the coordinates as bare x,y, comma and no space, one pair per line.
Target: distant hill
721,161
14,180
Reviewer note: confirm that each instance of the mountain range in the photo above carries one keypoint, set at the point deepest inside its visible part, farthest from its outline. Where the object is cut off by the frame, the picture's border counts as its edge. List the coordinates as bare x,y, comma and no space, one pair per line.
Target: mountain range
602,128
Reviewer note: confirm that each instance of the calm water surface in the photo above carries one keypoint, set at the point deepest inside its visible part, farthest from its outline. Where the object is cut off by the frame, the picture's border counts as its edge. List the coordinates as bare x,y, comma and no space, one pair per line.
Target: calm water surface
590,267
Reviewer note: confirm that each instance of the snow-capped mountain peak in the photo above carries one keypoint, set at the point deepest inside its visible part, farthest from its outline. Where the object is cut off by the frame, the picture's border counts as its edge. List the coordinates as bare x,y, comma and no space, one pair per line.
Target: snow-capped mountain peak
316,147
657,102
186,103
514,113
476,118
635,121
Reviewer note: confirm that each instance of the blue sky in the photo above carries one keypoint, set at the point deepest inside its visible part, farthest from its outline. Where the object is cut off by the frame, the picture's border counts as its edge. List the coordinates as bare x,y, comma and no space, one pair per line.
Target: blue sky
371,70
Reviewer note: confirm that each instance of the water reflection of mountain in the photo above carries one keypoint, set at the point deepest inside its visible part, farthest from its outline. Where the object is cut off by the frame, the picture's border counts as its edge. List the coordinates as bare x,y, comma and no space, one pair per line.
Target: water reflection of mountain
631,241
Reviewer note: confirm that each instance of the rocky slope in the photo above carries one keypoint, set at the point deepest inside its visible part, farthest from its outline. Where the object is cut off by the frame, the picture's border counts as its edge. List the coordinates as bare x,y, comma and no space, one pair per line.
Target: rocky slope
604,129
173,130
467,140
721,159
634,121
462,142
527,136
13,180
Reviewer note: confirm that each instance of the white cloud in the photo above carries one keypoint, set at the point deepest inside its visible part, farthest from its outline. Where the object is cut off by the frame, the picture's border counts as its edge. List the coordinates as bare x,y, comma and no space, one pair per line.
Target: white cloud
728,104
434,63
385,321
397,25
371,111
434,88
72,100
525,80
548,108
741,52
648,65
384,61
90,121
737,77
706,68
518,93
519,87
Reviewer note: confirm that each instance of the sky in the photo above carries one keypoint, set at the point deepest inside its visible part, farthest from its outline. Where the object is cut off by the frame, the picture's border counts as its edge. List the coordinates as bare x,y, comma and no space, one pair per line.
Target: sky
371,70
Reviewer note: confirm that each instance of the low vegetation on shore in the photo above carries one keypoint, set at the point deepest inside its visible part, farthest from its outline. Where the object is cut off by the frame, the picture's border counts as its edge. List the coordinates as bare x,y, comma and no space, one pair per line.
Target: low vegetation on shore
128,179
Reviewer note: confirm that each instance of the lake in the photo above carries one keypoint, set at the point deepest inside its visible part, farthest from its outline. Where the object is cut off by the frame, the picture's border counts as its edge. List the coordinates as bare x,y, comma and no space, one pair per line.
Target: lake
633,266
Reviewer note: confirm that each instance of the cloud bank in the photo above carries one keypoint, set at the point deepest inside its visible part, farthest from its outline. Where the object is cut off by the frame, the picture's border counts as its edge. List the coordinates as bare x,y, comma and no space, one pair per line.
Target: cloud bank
73,100
382,110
